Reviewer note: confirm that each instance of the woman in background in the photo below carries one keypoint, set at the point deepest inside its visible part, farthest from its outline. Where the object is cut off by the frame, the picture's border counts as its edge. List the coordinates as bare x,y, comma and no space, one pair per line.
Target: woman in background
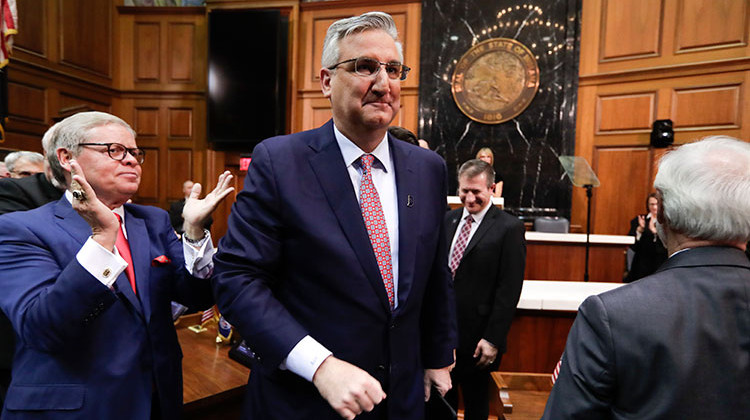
649,251
485,154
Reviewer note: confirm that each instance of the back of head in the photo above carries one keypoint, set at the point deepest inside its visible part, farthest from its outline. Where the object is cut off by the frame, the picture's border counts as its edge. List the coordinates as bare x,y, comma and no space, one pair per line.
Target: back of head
71,132
403,134
15,157
705,189
345,27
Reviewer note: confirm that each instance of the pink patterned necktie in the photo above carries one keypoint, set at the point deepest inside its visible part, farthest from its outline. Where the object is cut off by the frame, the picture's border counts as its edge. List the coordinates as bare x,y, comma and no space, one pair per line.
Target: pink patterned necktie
460,246
372,212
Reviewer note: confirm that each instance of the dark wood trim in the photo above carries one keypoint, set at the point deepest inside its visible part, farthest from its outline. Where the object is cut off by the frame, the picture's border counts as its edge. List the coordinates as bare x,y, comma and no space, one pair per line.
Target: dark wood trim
146,10
666,72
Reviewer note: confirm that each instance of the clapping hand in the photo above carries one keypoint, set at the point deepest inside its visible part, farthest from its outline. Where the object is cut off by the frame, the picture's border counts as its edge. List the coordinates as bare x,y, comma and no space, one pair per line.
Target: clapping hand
197,211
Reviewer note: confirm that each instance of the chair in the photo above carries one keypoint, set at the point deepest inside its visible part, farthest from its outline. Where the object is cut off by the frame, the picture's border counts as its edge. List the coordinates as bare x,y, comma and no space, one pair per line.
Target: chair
551,224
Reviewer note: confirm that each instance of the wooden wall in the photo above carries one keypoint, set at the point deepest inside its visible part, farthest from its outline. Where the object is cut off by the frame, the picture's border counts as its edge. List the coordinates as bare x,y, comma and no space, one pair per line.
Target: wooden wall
643,60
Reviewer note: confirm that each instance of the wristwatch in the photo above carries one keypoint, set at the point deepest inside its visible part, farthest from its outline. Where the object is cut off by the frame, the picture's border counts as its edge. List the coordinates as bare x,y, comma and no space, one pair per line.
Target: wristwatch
192,241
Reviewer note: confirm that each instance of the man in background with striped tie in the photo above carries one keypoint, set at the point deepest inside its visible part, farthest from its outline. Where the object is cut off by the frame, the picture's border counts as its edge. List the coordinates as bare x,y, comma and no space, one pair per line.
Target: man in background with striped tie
487,259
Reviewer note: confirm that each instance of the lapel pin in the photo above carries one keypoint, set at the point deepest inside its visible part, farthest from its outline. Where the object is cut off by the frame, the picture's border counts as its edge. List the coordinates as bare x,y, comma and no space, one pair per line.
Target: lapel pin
409,201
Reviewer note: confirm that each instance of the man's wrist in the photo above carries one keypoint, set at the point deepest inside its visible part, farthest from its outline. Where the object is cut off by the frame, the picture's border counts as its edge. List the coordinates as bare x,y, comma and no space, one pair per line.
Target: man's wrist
195,237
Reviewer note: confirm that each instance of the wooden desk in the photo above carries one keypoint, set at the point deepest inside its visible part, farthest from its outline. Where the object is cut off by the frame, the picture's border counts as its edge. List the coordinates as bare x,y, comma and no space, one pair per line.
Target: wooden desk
544,315
213,384
562,256
519,396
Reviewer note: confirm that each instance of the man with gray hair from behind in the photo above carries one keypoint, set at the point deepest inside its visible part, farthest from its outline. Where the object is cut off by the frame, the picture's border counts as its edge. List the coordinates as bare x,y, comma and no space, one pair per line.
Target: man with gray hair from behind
675,344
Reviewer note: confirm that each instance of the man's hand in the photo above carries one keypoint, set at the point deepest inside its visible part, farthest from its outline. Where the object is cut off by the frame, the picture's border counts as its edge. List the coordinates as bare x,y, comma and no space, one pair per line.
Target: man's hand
641,223
441,378
486,352
347,388
196,211
104,223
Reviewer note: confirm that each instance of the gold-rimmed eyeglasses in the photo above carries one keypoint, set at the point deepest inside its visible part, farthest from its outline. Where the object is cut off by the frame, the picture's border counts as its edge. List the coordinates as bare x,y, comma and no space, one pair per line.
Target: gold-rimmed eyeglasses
369,67
118,152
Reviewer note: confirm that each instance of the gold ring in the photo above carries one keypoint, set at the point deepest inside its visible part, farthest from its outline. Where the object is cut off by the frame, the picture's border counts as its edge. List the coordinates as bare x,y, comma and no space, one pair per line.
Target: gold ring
79,195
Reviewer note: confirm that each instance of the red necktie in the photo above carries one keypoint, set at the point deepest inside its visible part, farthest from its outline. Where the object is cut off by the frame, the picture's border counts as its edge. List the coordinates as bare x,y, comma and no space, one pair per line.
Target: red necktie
123,247
377,230
460,246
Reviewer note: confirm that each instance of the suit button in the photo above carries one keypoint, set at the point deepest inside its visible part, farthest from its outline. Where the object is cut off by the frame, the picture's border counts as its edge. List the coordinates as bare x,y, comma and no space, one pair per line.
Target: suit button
381,368
393,326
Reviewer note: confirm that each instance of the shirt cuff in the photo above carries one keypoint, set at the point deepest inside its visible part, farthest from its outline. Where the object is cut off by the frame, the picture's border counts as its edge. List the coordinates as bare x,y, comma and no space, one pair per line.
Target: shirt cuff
199,262
100,262
306,357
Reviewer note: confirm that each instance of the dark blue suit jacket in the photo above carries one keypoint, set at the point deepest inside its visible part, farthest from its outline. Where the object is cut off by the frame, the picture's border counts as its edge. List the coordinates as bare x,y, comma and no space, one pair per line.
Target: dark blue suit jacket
83,350
297,260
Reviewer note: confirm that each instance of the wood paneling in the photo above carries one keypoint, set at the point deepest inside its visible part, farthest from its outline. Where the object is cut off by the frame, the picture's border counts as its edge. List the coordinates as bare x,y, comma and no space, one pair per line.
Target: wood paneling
180,169
567,262
146,122
148,191
147,52
180,42
625,176
626,112
180,123
86,40
27,102
536,340
630,29
32,20
723,23
710,107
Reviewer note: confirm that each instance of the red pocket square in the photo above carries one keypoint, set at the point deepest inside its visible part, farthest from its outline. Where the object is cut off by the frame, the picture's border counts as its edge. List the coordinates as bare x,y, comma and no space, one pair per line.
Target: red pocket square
160,260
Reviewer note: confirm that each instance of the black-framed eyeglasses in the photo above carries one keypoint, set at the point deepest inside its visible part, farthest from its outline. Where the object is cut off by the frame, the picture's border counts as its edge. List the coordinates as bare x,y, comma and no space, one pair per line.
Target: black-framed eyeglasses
369,67
118,152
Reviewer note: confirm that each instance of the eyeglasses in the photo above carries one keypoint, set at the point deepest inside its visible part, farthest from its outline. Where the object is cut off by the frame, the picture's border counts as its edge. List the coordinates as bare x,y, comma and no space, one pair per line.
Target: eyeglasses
118,152
369,67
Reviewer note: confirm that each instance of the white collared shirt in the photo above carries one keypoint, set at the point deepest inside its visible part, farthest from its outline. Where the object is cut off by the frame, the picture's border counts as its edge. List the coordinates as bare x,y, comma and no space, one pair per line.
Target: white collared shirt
476,220
106,265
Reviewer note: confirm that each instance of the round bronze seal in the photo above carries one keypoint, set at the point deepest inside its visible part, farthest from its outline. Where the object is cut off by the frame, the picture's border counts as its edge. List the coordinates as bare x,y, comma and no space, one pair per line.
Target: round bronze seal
495,80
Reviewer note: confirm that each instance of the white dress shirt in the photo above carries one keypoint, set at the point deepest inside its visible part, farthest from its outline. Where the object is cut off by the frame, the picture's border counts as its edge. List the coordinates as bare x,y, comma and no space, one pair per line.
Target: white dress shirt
476,220
307,355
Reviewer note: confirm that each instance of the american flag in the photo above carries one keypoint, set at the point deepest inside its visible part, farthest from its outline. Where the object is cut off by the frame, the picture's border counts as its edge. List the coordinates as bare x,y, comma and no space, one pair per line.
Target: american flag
8,28
208,315
556,371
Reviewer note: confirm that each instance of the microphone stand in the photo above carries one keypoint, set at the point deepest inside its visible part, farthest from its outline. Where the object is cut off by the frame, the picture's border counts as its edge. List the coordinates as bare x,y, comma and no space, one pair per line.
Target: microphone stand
588,229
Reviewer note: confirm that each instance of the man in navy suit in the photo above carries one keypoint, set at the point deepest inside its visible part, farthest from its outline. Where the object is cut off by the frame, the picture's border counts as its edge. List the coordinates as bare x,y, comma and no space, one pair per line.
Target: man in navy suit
675,344
89,296
334,264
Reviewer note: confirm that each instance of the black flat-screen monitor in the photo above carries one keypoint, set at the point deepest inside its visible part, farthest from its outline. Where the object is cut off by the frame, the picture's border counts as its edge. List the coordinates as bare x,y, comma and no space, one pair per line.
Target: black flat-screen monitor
247,77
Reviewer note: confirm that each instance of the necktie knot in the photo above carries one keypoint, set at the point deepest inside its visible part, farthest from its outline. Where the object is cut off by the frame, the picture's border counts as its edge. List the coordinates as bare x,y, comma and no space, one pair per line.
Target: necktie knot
366,161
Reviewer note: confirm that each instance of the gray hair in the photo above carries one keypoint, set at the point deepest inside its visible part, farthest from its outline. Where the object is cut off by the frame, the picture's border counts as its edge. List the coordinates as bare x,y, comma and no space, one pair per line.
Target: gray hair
71,132
705,189
14,157
475,167
345,27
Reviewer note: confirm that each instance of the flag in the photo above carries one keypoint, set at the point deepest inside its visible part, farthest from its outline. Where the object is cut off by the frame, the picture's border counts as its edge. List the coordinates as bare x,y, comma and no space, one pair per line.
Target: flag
209,315
8,28
556,371
224,331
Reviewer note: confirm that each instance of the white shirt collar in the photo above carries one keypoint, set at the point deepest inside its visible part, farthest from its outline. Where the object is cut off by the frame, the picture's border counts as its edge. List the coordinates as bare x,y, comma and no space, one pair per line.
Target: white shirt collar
479,216
120,211
351,152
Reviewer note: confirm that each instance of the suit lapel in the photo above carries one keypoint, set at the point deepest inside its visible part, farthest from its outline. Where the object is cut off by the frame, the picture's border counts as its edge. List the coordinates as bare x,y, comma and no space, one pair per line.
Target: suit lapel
71,222
484,227
328,166
139,250
453,221
406,193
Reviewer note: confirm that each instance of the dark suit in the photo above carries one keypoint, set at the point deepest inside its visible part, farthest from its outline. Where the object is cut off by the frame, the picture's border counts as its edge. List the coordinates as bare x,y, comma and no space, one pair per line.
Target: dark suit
83,350
19,194
674,345
487,285
297,261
